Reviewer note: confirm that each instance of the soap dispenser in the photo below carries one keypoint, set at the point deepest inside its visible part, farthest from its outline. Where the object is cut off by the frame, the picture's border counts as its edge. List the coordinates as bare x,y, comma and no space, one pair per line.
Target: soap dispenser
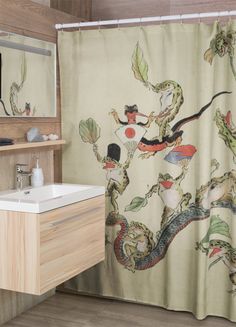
37,175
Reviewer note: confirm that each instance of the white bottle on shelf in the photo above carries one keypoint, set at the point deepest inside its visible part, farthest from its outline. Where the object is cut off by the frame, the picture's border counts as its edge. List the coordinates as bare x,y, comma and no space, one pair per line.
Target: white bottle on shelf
37,178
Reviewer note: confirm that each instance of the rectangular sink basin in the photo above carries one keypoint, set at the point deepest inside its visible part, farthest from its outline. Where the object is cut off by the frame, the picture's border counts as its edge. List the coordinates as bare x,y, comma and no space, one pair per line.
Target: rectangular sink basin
47,197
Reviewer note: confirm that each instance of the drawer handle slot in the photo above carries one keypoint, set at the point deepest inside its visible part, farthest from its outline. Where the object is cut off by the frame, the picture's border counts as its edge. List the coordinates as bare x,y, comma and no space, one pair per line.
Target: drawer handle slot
71,218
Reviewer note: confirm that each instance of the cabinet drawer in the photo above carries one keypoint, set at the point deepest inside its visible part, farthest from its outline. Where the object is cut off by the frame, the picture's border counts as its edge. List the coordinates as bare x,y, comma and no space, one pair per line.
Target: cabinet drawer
40,251
71,240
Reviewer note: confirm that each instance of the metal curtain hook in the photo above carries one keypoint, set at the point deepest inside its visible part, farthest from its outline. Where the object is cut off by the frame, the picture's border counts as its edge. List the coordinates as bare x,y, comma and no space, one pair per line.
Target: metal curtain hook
118,24
199,18
181,19
160,20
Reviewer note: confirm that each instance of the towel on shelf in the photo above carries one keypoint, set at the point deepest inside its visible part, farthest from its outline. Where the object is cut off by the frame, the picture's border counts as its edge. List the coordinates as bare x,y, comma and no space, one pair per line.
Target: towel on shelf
6,141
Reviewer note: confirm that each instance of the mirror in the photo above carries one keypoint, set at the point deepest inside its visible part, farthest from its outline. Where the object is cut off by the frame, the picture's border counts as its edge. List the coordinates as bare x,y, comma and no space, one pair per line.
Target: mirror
27,77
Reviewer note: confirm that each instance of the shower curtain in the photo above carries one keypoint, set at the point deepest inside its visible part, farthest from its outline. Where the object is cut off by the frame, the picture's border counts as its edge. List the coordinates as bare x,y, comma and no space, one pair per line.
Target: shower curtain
149,112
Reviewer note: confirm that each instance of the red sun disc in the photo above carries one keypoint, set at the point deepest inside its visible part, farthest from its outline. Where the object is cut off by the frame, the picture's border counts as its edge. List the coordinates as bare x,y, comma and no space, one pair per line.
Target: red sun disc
130,133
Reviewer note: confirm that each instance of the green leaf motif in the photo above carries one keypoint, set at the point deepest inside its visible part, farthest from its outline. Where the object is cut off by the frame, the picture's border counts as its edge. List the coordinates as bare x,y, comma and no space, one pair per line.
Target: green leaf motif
23,70
139,65
217,226
136,204
89,131
214,262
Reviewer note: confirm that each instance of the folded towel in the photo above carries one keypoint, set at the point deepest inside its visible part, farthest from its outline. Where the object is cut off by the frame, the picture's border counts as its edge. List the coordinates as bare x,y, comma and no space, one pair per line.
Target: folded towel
5,141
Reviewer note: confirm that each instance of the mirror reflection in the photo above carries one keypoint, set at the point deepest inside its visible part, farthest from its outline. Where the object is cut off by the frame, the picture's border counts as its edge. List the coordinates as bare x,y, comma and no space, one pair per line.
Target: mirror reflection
27,77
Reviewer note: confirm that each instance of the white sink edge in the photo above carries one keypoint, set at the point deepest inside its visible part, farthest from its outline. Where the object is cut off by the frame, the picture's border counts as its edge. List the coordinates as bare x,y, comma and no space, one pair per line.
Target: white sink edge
31,206
11,191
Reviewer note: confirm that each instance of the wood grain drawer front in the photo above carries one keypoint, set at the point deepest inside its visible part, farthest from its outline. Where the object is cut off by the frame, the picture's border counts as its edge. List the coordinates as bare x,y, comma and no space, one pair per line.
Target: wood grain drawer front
19,255
71,240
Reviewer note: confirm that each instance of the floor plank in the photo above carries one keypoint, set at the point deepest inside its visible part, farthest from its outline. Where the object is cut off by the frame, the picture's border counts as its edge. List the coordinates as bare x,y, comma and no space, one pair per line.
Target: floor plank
68,310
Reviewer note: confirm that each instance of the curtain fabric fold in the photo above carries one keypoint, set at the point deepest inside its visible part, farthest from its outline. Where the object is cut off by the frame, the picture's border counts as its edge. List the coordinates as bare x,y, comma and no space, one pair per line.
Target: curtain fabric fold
149,112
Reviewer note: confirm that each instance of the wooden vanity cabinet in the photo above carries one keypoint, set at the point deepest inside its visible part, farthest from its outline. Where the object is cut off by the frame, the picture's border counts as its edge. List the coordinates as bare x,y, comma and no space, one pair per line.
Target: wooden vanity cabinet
41,251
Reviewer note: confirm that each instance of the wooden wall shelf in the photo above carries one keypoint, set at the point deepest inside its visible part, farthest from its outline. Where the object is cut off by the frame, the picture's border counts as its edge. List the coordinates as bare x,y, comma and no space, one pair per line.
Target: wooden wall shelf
28,145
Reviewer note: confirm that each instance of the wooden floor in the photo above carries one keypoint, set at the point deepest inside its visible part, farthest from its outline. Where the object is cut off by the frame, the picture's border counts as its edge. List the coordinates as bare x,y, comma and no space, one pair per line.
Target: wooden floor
68,310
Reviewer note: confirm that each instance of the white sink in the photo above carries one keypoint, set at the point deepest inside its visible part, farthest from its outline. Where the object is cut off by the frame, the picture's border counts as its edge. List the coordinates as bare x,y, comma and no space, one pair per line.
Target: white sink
47,197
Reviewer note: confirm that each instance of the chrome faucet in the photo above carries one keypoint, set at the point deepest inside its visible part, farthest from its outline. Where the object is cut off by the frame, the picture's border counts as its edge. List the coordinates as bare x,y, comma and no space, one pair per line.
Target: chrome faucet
20,176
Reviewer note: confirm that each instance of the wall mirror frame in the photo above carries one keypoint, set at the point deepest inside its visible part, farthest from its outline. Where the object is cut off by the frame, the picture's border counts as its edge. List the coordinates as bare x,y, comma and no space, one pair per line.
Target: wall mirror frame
28,78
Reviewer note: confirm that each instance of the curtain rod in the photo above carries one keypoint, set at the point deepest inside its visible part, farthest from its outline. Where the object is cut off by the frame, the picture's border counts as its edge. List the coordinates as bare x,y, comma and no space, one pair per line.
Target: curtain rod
146,19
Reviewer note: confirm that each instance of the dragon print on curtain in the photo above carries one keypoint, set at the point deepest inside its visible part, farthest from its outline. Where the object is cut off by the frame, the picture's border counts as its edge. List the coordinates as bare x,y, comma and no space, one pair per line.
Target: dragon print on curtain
170,180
